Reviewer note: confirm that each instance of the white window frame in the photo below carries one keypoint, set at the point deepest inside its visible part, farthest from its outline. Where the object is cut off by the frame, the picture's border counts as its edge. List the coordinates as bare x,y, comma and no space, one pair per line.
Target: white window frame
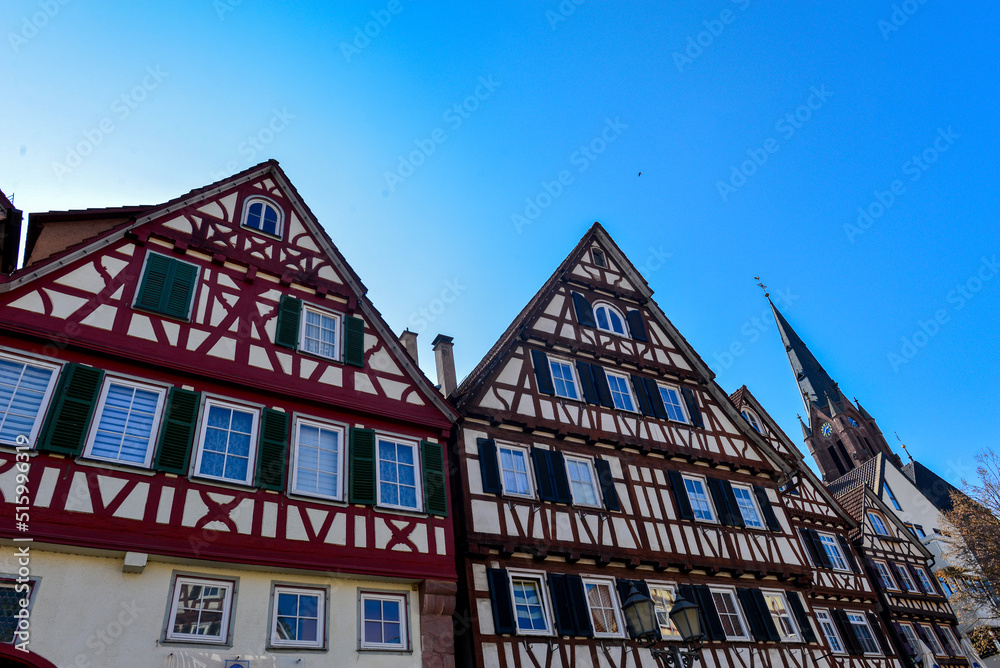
794,635
46,401
954,648
925,582
829,629
227,613
909,586
539,581
685,418
589,463
338,335
881,575
625,334
835,544
615,606
154,433
526,456
279,228
404,620
301,421
878,521
321,594
616,393
203,430
673,633
731,593
932,639
714,519
572,372
864,620
911,635
753,502
751,418
417,473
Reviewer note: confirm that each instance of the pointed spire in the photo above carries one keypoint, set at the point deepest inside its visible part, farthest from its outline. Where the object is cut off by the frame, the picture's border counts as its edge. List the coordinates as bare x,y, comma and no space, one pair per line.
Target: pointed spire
861,410
806,431
831,405
814,382
904,446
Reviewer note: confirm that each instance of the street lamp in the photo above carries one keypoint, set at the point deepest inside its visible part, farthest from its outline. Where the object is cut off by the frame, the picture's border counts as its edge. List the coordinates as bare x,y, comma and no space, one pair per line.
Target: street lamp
641,615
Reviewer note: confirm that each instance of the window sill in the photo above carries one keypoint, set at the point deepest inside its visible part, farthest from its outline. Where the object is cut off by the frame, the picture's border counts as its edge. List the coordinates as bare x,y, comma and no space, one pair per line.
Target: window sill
266,235
318,356
83,460
384,650
296,648
221,644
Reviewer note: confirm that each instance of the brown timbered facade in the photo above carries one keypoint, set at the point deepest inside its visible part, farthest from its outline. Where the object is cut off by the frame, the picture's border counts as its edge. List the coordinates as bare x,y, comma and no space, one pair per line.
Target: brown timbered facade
596,454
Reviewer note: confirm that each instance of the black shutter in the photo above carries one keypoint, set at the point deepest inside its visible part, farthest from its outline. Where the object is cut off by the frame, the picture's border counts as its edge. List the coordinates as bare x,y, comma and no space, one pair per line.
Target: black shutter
624,591
848,552
880,637
435,479
273,444
692,407
503,606
635,326
765,506
642,394
751,614
584,311
655,398
608,490
795,603
916,580
578,603
177,433
543,474
770,630
945,645
560,480
902,574
543,375
75,399
846,632
684,510
903,640
587,380
738,520
718,493
561,605
362,471
601,385
815,547
810,546
354,341
286,332
711,624
488,466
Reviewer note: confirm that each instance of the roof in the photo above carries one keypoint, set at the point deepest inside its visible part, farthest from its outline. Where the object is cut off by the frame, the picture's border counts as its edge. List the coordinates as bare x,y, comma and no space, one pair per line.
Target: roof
852,500
931,485
870,473
814,382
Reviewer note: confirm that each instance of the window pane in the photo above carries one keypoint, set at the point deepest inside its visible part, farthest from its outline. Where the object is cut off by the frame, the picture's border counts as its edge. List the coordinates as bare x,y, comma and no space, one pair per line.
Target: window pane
672,402
397,474
317,462
227,443
22,389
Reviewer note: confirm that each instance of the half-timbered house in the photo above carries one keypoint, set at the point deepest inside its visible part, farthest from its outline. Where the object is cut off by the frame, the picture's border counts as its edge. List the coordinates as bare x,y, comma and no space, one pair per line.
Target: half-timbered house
213,448
596,454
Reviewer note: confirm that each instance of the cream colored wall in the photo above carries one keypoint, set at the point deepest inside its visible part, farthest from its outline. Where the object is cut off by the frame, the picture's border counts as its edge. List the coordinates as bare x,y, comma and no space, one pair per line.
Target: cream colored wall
88,613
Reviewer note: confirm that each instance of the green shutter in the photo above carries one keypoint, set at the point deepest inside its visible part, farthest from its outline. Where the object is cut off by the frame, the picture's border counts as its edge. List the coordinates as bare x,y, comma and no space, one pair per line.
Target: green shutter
167,286
362,474
177,433
289,314
435,480
154,282
76,396
177,300
354,341
271,453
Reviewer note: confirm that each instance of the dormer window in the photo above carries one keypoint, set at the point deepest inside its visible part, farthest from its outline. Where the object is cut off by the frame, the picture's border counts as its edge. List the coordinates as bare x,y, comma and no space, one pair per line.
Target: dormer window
262,215
610,319
752,419
598,256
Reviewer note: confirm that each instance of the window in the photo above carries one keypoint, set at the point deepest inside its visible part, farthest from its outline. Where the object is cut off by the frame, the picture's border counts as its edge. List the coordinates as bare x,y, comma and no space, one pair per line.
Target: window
752,419
931,639
729,614
11,594
663,602
610,319
398,483
863,632
200,610
582,481
25,391
620,392
924,580
748,507
603,608
701,506
910,635
298,618
167,286
884,576
318,459
514,471
916,529
384,621
564,379
951,644
320,333
878,524
832,550
598,257
829,630
672,402
126,422
228,434
904,577
892,498
778,608
263,215
529,604
945,587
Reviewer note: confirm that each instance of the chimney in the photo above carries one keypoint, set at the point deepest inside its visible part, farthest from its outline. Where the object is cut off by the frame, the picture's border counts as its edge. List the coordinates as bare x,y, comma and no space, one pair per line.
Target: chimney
445,359
409,341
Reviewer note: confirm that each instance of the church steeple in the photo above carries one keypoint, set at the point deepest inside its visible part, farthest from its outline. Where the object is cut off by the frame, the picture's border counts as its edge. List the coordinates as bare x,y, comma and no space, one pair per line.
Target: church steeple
814,382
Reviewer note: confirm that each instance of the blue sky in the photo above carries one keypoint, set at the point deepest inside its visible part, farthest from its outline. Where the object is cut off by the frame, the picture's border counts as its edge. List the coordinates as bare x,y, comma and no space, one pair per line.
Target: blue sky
423,147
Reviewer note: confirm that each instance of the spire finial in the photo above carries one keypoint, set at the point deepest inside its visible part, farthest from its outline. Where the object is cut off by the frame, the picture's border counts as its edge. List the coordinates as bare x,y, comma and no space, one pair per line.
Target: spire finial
904,446
762,287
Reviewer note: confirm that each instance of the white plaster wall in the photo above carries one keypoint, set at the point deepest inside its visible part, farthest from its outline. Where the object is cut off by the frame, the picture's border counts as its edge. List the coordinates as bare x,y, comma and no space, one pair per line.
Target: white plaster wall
88,613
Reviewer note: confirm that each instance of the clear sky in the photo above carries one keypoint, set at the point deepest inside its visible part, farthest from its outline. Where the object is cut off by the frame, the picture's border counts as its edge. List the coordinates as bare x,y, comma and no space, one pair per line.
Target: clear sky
430,140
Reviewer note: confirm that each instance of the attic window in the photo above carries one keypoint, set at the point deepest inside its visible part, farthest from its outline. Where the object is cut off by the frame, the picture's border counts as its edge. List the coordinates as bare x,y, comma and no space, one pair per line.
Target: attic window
598,257
262,215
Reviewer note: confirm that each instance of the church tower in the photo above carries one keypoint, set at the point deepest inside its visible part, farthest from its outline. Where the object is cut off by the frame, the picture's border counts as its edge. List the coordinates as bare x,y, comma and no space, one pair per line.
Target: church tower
840,435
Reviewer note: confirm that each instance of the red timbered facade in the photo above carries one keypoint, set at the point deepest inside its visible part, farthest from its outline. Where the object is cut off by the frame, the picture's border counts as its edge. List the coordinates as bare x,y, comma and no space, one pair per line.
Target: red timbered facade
595,455
214,428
